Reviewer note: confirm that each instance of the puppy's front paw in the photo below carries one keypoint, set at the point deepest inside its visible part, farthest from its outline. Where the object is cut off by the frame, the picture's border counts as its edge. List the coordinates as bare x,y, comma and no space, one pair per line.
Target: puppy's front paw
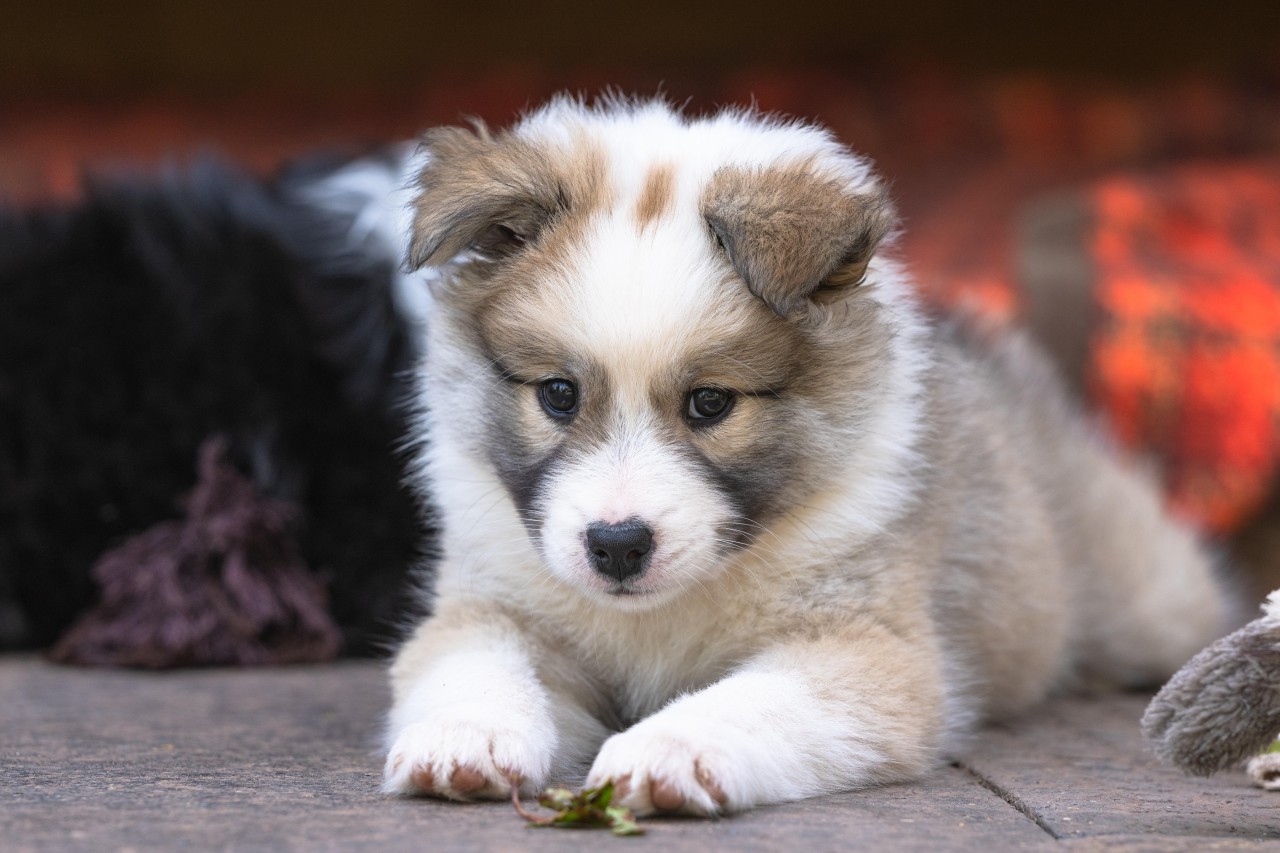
656,769
463,756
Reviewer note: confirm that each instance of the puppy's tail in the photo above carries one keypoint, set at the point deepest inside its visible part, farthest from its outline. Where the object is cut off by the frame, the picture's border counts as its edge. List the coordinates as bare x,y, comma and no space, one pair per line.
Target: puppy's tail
351,221
1158,595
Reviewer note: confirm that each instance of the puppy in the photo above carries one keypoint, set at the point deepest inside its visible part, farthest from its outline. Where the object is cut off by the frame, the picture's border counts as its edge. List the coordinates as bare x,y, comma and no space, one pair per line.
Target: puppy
726,519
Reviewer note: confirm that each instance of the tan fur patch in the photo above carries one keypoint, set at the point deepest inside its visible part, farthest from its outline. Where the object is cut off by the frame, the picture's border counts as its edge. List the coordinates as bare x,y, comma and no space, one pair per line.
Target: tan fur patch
791,230
657,195
474,181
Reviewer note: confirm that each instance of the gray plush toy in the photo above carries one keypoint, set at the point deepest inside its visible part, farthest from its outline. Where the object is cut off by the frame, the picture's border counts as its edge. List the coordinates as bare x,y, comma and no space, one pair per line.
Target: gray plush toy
1223,706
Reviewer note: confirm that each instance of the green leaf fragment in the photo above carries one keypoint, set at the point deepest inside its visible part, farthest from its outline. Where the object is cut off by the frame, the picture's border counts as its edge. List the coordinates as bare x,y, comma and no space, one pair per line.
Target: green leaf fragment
588,808
1275,747
557,798
622,821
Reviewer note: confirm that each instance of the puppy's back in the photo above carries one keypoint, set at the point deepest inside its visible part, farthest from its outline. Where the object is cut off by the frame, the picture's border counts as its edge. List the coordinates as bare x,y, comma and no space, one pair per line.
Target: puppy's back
1140,593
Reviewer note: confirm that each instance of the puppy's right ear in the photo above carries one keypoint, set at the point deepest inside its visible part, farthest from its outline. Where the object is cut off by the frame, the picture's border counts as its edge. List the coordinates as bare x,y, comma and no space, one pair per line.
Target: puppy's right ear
477,193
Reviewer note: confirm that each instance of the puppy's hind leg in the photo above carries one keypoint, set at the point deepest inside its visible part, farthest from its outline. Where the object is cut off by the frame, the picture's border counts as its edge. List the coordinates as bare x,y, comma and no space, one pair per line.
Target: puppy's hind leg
472,710
1147,594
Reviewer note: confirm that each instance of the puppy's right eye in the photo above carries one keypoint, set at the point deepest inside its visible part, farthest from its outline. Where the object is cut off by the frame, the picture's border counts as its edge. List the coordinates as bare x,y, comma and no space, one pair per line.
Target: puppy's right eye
708,405
559,398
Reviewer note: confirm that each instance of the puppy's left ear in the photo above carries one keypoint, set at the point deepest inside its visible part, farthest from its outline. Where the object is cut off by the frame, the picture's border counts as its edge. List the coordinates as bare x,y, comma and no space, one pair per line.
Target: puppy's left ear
794,234
480,193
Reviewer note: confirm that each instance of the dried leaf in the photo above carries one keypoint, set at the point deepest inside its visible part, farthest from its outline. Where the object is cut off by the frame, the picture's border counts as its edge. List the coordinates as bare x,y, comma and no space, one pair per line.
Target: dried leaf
587,809
623,822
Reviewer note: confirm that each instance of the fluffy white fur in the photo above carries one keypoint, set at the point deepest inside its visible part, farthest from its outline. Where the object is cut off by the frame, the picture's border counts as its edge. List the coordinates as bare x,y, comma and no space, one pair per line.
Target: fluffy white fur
373,197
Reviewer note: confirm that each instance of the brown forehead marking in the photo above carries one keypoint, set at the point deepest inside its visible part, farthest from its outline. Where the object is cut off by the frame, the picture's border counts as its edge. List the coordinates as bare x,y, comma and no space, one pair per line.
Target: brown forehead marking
583,175
657,195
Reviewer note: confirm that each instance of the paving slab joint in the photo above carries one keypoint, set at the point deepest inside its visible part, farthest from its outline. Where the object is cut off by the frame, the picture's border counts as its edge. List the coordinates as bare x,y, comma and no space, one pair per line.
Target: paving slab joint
1028,811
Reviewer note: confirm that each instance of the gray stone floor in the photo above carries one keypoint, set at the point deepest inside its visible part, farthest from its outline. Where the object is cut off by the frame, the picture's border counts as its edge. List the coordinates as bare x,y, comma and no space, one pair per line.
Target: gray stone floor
287,758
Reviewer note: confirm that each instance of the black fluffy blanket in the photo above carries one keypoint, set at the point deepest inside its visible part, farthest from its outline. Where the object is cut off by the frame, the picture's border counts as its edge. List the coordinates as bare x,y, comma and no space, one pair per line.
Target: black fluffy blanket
201,307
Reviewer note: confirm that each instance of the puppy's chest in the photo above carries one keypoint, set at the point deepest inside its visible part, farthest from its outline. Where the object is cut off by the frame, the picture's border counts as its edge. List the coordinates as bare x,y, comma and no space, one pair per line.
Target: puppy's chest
644,669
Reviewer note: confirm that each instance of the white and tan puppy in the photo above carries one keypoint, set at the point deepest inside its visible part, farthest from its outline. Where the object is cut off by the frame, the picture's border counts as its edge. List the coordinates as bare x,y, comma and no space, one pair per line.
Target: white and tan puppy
725,519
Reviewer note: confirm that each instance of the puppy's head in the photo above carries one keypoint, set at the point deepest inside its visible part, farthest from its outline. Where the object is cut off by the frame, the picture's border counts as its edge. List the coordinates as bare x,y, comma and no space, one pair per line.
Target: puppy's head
662,334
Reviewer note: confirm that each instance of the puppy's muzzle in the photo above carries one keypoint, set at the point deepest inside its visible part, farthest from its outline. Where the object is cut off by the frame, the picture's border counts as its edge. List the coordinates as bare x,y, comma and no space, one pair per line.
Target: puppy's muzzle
619,551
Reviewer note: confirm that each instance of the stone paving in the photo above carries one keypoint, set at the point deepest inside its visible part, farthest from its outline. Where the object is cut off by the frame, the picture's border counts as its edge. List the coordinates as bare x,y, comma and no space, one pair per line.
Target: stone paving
287,759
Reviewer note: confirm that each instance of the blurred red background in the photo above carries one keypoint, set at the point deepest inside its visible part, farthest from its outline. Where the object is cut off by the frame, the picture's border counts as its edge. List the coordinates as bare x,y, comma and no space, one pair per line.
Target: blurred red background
980,115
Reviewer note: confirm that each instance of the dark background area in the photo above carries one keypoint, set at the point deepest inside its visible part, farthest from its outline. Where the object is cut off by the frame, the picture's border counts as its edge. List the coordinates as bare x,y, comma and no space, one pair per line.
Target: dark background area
925,86
79,47
939,93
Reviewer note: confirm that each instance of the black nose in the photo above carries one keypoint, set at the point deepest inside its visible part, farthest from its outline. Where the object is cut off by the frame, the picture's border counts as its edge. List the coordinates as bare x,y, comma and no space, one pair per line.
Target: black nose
619,551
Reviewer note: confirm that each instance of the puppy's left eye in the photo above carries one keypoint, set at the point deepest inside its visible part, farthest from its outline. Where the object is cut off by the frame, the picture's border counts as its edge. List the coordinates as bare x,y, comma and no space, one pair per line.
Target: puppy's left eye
559,398
707,405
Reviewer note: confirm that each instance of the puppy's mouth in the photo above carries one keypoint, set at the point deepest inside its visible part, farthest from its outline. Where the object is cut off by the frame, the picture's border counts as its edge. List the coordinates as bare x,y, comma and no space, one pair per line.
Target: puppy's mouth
623,591
628,598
